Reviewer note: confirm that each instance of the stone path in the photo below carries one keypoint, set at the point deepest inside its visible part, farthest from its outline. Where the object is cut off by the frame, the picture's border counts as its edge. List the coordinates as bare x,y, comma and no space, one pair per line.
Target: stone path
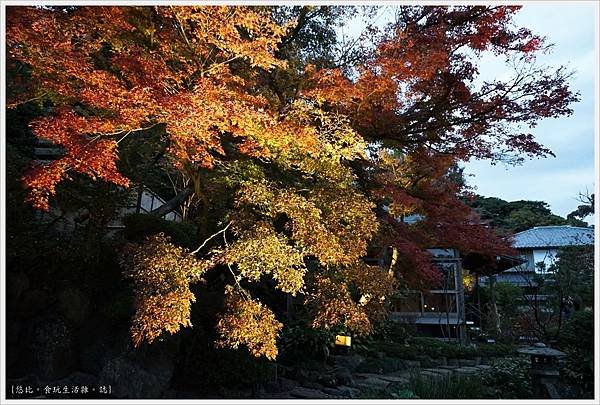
365,381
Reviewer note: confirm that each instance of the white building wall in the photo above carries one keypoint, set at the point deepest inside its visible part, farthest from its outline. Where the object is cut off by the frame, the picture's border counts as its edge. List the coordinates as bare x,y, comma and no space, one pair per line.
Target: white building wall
546,256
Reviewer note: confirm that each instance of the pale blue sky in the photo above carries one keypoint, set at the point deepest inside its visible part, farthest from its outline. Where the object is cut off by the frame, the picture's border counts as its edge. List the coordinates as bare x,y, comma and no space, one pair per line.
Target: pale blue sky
554,180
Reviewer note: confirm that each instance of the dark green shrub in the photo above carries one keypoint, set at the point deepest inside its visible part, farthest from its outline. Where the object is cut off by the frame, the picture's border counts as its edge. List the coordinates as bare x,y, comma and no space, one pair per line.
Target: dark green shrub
139,226
508,378
434,348
223,369
391,331
299,342
579,330
496,350
577,341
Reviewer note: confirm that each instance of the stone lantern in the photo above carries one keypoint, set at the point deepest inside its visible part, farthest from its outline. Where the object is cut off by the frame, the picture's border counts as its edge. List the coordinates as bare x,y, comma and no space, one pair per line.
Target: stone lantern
544,369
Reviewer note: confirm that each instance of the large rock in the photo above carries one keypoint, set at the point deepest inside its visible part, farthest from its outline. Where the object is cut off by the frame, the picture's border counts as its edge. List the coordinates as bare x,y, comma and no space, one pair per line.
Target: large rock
393,379
467,362
368,381
351,362
32,303
349,391
336,392
285,384
308,393
99,341
50,351
73,304
93,357
311,384
411,364
77,378
327,380
13,330
18,283
452,362
343,376
135,379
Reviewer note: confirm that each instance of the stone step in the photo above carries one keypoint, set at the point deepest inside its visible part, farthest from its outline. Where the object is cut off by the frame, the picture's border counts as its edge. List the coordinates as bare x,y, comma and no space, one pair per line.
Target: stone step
336,392
393,378
308,393
277,395
466,370
349,391
426,373
372,383
440,371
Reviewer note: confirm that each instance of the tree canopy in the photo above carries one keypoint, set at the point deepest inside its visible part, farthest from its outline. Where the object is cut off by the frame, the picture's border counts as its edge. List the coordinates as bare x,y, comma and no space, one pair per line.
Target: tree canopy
516,216
297,158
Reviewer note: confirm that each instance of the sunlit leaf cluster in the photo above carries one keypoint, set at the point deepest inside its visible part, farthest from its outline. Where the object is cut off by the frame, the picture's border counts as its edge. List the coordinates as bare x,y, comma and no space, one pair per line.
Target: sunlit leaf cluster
250,323
161,274
262,251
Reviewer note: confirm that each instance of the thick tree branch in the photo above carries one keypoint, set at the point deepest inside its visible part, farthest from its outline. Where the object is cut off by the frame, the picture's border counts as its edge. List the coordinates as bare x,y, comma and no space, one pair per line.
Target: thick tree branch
173,203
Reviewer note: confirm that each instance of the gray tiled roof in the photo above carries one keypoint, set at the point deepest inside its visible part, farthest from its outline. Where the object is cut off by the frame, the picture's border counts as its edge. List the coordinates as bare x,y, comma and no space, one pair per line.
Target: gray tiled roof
554,236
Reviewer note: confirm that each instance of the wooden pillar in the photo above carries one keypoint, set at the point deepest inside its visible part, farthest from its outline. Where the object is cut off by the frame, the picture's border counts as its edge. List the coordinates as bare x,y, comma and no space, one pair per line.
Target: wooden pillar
460,305
494,306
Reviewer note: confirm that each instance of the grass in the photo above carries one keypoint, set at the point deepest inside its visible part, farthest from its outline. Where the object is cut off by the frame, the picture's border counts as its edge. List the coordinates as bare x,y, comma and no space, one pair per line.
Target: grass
453,387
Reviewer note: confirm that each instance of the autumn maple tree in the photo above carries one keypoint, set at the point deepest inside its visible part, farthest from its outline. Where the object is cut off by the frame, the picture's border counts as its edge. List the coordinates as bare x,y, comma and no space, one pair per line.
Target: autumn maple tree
295,167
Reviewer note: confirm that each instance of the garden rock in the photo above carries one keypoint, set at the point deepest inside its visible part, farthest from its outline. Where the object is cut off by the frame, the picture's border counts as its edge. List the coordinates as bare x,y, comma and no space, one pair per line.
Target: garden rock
466,362
33,302
77,378
448,367
327,380
177,394
466,370
285,384
18,283
311,384
431,374
351,362
13,330
425,361
412,364
272,386
308,393
349,391
73,304
335,392
343,376
440,371
50,349
132,379
393,379
367,380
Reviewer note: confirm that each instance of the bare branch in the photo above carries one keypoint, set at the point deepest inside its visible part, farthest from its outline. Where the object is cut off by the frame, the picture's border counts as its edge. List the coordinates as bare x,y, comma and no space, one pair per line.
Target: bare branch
210,237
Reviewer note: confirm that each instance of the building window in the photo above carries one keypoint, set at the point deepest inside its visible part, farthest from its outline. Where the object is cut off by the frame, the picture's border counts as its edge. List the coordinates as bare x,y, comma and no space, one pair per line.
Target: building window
448,277
410,303
439,303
